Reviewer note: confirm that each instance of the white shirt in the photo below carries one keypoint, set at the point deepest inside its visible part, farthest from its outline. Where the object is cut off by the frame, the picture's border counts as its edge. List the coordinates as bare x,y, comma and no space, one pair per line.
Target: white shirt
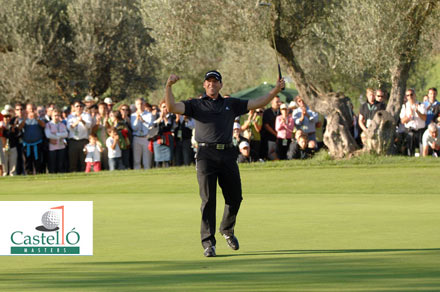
81,131
113,153
416,122
93,153
140,128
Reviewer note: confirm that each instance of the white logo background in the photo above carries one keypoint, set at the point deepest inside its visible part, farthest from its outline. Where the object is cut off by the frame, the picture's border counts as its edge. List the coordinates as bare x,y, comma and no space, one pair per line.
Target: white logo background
25,216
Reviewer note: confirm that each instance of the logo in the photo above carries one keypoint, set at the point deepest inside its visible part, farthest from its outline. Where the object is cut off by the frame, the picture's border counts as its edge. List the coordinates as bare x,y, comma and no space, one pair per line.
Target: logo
227,108
46,228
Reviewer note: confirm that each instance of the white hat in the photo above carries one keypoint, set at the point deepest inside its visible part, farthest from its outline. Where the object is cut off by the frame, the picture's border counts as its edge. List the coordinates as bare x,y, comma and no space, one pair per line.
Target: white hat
237,126
283,106
5,112
292,104
243,144
108,100
88,98
8,107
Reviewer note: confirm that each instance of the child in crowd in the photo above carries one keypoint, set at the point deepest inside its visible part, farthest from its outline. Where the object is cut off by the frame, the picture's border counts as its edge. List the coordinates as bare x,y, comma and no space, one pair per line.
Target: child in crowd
93,154
114,150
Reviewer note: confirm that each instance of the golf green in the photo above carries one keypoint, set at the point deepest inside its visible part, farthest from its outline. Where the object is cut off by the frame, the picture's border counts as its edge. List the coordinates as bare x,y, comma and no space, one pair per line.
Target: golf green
303,226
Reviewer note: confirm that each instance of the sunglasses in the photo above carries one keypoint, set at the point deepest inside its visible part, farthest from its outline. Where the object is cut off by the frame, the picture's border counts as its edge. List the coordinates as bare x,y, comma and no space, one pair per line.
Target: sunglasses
18,109
124,109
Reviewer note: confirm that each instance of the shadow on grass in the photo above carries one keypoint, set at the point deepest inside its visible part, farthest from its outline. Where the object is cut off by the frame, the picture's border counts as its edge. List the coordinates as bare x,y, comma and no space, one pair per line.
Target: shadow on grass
278,270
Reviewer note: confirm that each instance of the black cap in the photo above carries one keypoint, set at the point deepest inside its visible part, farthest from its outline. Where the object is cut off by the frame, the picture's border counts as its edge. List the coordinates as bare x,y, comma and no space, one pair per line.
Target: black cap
214,74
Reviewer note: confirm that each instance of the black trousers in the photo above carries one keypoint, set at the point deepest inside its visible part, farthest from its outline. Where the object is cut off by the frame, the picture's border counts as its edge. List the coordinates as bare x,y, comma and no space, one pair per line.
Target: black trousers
31,163
221,165
413,141
76,155
56,161
282,149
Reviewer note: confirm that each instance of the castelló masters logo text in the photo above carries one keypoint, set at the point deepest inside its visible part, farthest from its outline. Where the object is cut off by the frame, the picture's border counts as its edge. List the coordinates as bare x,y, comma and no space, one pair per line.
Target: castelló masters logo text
47,228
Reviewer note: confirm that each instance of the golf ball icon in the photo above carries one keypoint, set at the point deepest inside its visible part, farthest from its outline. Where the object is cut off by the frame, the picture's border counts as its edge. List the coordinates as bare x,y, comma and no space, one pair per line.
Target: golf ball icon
50,220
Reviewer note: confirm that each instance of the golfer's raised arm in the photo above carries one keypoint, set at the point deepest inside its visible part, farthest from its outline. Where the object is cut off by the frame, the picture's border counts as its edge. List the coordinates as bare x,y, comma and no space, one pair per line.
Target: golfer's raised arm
263,100
172,105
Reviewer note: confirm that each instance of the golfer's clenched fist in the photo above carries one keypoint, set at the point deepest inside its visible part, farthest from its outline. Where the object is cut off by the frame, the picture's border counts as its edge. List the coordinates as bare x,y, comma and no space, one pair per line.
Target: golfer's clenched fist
172,79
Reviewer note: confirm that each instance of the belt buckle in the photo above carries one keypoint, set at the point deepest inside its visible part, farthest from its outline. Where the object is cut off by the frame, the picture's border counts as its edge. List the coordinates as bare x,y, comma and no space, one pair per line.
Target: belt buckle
220,146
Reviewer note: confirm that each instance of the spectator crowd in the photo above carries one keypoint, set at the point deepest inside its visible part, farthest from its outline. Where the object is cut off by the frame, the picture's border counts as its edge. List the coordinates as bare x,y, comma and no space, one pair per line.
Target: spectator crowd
89,136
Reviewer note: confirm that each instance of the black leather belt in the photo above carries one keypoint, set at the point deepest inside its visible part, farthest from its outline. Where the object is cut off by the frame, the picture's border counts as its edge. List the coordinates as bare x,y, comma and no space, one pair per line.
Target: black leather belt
217,146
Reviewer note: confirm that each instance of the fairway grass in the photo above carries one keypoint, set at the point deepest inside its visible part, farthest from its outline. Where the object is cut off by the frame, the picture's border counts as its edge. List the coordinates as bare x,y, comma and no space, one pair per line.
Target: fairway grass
358,225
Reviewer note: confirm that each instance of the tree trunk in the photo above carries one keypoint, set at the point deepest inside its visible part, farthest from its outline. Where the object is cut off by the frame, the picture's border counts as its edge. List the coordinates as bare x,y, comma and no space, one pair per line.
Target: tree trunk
382,131
334,106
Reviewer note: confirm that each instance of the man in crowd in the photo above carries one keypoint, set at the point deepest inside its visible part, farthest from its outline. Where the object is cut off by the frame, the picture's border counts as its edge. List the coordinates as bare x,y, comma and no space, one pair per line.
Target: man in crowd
305,119
33,135
367,112
268,132
141,121
413,116
431,141
78,124
432,106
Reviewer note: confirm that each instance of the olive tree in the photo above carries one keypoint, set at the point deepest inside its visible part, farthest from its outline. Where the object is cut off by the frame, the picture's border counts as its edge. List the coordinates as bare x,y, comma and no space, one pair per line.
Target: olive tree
112,47
33,49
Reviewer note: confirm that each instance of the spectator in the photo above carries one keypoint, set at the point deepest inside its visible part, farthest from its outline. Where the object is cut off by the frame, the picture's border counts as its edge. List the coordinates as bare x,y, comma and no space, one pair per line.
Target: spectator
10,109
49,109
56,132
109,102
254,124
155,112
42,114
284,126
431,141
100,129
125,111
245,153
20,116
141,121
237,136
164,143
380,98
305,119
432,106
124,136
33,135
413,116
78,125
302,148
367,112
10,140
114,151
2,142
93,154
89,101
268,132
182,137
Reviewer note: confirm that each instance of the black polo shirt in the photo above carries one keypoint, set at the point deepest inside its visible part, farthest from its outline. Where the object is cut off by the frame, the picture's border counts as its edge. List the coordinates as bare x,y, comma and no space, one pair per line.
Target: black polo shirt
215,117
368,110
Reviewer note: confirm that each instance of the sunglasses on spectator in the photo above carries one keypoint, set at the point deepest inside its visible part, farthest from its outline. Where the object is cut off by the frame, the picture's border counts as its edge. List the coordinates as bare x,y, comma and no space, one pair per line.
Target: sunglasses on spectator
79,105
379,95
18,109
124,109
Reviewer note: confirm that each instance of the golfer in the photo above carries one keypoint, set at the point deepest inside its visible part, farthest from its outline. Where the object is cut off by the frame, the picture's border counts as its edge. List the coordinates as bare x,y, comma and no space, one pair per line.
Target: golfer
216,157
